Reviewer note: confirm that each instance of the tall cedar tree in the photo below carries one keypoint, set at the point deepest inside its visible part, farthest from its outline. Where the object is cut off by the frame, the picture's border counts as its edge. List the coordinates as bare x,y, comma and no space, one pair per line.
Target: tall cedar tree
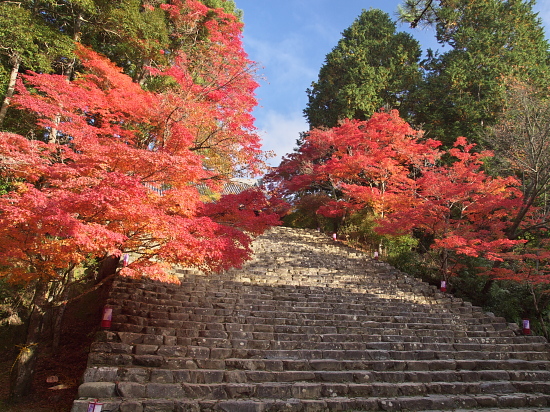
491,41
88,185
372,66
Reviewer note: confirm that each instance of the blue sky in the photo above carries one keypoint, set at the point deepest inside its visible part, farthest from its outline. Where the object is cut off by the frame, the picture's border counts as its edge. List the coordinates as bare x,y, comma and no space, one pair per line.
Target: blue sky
289,40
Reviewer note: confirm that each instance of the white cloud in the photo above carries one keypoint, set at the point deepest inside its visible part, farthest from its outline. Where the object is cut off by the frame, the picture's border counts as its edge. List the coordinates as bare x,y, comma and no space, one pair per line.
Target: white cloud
279,133
285,61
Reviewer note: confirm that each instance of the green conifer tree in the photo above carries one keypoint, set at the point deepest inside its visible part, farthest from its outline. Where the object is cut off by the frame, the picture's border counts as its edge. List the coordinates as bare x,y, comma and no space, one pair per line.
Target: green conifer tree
371,67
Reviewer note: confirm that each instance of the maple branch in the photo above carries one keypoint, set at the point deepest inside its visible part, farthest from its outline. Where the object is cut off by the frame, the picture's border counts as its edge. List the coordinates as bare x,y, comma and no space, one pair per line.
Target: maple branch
95,287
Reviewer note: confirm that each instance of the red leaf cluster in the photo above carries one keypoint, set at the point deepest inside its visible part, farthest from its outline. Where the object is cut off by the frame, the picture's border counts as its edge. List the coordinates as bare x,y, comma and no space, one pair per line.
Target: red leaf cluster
90,186
385,166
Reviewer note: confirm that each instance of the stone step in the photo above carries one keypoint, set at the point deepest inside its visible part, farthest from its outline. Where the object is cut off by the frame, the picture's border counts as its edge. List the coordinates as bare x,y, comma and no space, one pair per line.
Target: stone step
302,389
342,342
379,309
218,358
258,331
308,325
434,320
341,321
209,376
238,398
535,402
376,311
286,326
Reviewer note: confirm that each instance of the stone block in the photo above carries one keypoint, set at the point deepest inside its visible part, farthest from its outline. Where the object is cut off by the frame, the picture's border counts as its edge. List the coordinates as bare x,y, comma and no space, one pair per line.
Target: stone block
235,377
170,340
215,326
274,390
496,387
242,406
538,400
306,390
158,405
465,402
310,405
274,365
102,358
330,390
287,405
172,351
131,406
213,333
206,376
198,352
130,338
130,390
159,315
512,401
240,390
150,361
412,389
97,390
164,390
220,353
200,391
145,349
326,365
261,376
360,390
385,390
153,339
210,363
100,374
162,376
187,406
486,401
389,405
139,375
295,376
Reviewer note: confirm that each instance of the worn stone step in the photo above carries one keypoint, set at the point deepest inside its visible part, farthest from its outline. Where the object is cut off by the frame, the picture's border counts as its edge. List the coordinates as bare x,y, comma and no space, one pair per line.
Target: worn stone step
248,340
408,316
342,321
316,324
208,376
222,358
302,389
257,331
321,350
458,403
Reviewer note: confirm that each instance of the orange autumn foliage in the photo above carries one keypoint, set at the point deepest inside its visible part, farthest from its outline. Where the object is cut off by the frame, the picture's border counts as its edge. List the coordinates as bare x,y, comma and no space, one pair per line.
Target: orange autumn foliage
122,171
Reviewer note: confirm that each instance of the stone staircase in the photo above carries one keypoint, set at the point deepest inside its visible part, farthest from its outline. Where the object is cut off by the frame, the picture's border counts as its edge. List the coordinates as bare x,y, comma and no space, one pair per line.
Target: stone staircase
308,325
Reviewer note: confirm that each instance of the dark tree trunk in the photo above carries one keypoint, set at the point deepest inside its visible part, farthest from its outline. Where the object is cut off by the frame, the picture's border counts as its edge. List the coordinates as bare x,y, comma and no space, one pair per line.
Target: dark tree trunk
60,310
107,267
23,369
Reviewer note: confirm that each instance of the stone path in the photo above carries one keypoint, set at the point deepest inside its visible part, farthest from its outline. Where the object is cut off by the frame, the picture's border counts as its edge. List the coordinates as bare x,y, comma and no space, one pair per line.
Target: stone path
308,325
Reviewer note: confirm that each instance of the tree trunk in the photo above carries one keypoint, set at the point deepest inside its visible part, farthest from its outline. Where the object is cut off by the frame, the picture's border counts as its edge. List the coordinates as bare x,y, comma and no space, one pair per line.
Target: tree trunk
107,267
16,62
77,34
60,310
22,372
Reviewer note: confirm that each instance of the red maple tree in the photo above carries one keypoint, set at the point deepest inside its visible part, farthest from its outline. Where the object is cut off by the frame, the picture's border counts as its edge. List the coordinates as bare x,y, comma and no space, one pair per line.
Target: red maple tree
114,168
408,185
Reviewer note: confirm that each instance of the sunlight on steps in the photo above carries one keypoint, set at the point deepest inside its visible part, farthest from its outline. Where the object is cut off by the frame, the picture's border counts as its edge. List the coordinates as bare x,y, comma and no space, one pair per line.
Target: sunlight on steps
308,325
